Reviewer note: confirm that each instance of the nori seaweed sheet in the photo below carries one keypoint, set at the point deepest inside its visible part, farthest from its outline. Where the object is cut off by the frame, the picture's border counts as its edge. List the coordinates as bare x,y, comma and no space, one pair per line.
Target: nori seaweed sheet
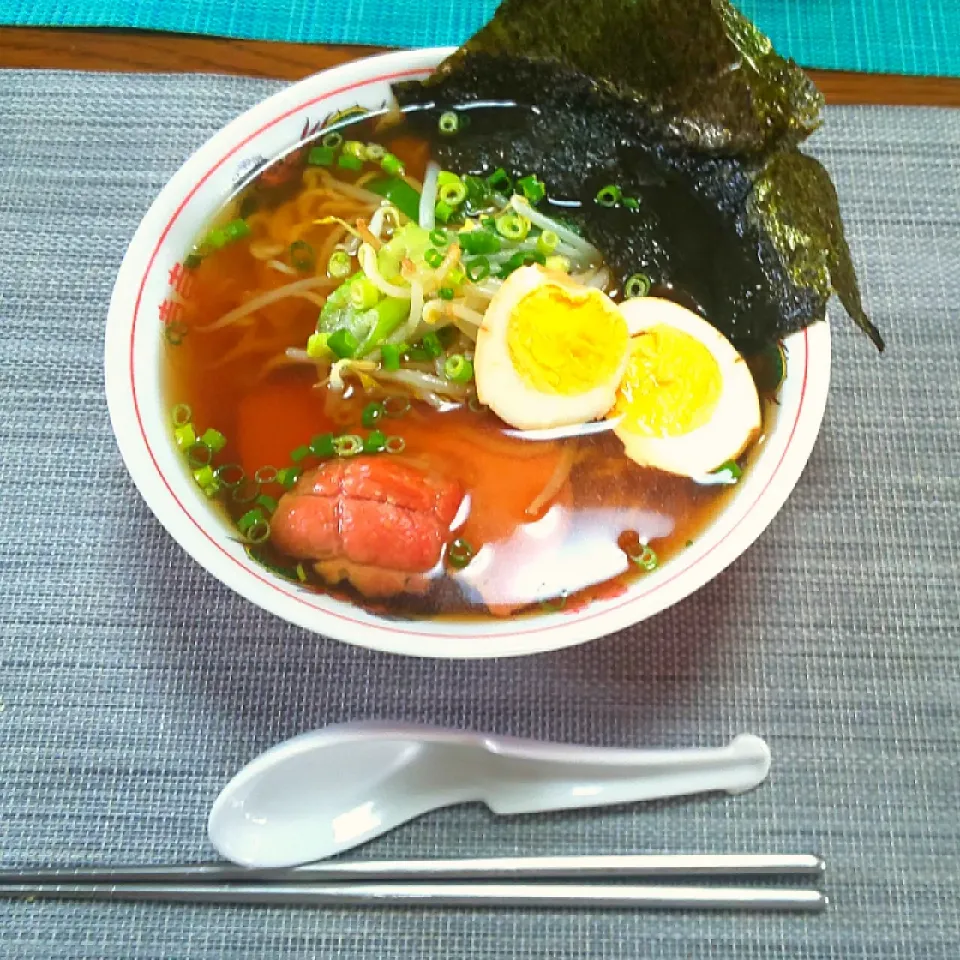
684,106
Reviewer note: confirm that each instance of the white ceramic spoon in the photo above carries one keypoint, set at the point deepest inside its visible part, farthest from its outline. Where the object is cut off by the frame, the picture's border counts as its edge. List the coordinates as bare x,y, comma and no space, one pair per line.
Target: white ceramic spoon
324,792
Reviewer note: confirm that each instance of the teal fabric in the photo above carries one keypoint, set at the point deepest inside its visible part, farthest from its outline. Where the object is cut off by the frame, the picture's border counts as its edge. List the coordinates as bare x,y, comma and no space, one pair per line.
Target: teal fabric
878,36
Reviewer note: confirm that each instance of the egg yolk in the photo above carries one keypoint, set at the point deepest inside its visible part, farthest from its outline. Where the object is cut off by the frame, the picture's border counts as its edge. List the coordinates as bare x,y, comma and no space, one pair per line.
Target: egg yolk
671,386
565,343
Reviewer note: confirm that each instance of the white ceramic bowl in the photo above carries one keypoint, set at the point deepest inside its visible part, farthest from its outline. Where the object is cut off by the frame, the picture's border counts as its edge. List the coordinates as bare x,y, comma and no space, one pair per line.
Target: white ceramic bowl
140,418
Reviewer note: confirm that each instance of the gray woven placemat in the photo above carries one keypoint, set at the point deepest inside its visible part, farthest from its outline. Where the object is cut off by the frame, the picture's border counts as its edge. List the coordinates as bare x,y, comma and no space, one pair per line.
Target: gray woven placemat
133,684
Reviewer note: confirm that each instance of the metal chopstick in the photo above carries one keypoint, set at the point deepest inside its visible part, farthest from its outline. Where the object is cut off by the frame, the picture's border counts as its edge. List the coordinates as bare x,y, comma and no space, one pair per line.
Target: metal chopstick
652,866
555,895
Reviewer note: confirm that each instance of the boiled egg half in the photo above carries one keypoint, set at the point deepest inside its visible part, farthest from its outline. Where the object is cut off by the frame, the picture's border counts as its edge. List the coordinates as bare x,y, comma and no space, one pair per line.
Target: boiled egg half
550,352
687,403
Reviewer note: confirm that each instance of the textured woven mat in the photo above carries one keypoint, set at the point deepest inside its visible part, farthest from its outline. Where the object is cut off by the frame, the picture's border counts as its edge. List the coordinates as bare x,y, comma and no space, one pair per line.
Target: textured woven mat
133,684
880,36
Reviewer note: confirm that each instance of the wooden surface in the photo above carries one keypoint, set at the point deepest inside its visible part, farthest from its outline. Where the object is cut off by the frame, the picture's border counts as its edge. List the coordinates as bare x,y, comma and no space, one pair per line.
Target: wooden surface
126,50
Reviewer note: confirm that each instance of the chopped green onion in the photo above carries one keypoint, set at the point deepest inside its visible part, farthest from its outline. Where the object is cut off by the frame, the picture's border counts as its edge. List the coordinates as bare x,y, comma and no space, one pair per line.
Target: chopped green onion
266,474
647,559
249,519
392,165
448,124
446,176
478,269
349,162
390,356
343,343
729,472
460,553
182,415
332,139
348,445
453,193
523,258
230,475
339,264
631,203
431,343
479,242
439,238
443,211
375,442
220,237
205,476
433,257
302,256
404,197
254,526
417,354
375,152
364,294
301,573
554,606
321,156
192,260
547,242
301,453
185,436
372,415
174,332
455,276
608,196
288,476
395,445
317,348
458,369
322,445
396,405
214,439
532,188
500,181
268,503
246,491
354,148
446,293
513,226
198,454
557,264
637,286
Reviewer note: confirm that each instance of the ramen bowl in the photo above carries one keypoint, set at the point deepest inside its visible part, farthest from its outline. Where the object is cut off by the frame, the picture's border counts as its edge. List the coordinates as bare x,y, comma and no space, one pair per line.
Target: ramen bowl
145,298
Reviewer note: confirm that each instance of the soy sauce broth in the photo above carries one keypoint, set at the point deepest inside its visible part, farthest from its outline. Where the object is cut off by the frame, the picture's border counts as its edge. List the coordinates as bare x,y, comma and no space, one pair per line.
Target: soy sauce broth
534,548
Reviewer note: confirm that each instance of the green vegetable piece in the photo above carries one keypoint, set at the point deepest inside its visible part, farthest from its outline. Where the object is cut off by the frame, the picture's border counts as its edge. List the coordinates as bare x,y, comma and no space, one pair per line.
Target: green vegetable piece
458,369
347,161
214,439
185,436
322,445
321,156
267,502
532,188
364,294
477,242
301,453
390,356
372,415
288,476
375,442
317,347
343,343
443,211
431,343
398,192
392,165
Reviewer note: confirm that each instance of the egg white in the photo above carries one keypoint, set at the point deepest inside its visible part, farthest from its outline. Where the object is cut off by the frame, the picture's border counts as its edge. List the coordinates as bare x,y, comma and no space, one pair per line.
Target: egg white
503,389
736,418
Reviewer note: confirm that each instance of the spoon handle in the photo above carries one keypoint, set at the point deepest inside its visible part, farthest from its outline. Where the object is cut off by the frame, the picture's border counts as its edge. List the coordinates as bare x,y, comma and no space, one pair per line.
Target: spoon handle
532,777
